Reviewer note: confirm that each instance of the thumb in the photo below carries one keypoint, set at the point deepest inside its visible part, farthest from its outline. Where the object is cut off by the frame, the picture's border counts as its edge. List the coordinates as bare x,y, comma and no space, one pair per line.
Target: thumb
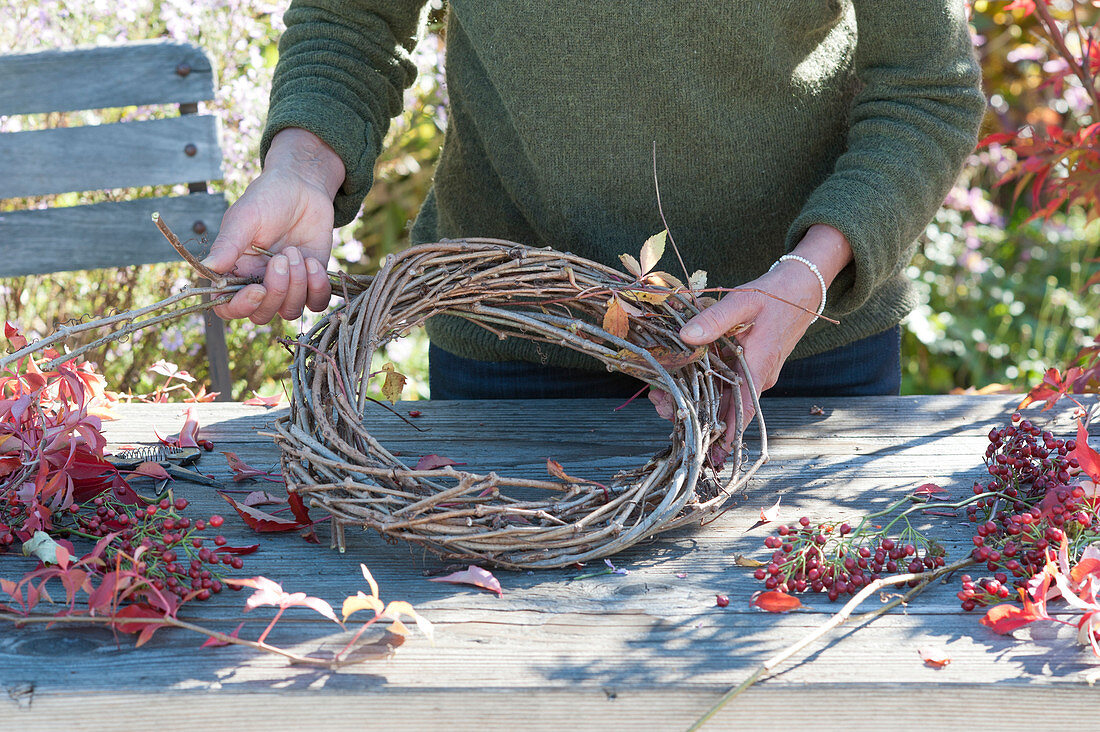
715,321
239,229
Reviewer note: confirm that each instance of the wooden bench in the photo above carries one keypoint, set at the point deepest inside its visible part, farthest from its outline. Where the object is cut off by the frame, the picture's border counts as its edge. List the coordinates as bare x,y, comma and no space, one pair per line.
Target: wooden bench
157,152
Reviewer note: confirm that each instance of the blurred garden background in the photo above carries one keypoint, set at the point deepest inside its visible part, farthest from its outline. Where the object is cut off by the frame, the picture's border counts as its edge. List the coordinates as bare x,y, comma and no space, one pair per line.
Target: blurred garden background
1007,270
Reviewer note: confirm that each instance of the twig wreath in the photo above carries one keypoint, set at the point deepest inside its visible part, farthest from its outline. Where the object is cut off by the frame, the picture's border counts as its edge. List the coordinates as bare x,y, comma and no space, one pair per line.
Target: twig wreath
629,322
515,291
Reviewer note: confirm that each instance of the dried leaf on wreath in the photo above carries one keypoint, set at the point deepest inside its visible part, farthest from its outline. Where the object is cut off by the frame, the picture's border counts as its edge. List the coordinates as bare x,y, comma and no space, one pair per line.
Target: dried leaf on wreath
394,383
652,251
615,320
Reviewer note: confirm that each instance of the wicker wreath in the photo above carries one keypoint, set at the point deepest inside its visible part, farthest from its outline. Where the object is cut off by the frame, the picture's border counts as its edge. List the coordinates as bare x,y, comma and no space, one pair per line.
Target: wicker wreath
330,457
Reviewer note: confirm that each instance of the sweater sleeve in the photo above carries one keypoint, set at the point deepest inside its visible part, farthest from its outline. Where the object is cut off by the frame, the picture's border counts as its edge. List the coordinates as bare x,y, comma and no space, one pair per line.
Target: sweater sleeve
913,123
343,67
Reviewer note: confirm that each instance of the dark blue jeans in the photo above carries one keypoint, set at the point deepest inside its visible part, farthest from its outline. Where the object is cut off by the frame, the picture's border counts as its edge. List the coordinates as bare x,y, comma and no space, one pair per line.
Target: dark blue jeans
868,367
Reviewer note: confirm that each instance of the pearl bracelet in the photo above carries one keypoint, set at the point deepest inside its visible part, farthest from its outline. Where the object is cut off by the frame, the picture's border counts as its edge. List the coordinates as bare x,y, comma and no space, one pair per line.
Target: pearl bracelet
817,273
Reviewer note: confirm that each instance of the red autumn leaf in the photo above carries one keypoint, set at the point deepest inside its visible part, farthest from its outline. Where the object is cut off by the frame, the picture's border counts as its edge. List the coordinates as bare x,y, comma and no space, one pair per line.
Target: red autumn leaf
136,613
928,489
771,514
298,508
265,401
262,521
475,576
431,462
554,468
1050,390
775,601
1087,566
240,550
214,642
14,336
261,498
151,470
1087,458
934,657
1005,618
997,138
244,471
190,431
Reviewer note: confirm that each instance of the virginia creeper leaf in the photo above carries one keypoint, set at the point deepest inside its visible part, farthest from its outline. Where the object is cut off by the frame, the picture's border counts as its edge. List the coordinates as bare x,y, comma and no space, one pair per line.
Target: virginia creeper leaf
475,576
652,251
615,320
775,601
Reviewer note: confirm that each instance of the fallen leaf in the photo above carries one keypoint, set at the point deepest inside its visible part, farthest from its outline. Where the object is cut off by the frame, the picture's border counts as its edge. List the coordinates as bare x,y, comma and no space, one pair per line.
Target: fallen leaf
771,514
151,470
244,471
262,521
261,498
816,410
774,601
265,401
554,468
394,383
928,489
934,657
615,320
43,546
431,462
742,561
475,576
1087,458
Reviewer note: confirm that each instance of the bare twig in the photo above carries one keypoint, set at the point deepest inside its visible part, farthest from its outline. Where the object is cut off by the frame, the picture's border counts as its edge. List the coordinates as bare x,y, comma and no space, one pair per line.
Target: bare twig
924,578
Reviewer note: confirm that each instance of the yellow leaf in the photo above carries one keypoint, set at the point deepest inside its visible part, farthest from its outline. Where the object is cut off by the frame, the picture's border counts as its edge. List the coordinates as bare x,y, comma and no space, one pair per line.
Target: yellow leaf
653,298
394,383
652,251
742,561
664,279
361,602
615,320
631,264
397,608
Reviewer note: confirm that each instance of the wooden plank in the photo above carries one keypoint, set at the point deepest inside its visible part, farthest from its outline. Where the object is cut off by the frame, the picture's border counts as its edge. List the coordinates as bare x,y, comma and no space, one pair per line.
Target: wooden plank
107,76
122,155
649,648
330,702
112,234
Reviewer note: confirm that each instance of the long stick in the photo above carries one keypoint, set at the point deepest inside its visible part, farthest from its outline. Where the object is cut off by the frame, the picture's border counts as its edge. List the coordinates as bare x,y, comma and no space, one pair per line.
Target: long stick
836,620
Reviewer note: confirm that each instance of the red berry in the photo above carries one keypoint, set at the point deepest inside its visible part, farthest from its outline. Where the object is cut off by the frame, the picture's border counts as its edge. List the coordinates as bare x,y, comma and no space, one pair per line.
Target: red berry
721,600
180,504
216,521
200,525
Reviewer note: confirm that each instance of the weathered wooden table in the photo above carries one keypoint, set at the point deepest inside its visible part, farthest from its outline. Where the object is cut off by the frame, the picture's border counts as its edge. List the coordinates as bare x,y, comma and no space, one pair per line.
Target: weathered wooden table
648,649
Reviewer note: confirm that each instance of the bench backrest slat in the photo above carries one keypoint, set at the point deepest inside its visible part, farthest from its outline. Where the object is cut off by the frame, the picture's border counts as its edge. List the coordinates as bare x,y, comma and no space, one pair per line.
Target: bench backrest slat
102,235
122,155
109,76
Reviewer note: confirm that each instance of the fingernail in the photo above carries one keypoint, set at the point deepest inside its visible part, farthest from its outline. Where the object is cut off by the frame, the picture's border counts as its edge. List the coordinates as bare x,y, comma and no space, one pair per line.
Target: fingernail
692,331
256,295
293,256
280,264
313,265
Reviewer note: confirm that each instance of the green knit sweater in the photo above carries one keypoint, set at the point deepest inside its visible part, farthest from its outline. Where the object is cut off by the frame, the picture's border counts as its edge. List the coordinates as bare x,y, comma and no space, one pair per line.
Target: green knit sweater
769,116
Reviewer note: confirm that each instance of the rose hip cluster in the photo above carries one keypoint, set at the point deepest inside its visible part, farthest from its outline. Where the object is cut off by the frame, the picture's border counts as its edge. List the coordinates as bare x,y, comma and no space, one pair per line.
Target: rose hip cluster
834,561
1025,511
162,545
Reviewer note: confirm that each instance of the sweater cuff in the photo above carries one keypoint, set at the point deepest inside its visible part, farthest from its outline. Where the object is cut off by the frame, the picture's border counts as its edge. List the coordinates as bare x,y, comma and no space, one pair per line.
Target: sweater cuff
872,231
348,134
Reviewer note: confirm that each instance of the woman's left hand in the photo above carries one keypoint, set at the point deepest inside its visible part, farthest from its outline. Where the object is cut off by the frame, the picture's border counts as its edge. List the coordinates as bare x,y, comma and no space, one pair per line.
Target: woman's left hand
775,326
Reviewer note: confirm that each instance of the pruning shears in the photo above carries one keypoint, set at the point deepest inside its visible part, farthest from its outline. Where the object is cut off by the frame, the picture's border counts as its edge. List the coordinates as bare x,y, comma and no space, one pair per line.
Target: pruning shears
171,458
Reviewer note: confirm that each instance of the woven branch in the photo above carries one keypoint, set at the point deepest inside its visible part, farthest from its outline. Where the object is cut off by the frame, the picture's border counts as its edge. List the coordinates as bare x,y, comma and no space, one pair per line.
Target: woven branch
515,291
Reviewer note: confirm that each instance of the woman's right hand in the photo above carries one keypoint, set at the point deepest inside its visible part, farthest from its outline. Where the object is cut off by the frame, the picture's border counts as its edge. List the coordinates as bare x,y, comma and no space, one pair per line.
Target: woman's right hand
288,211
